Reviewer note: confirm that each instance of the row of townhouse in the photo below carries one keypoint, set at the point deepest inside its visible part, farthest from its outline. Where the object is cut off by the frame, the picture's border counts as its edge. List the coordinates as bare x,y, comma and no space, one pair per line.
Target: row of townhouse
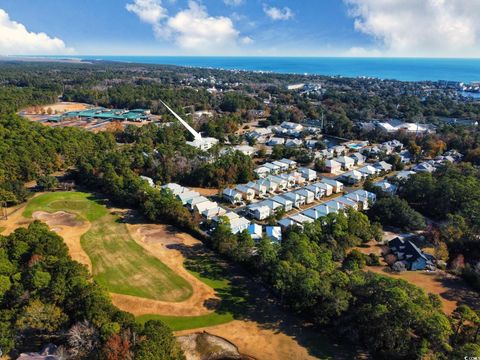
275,167
356,176
270,185
294,199
358,200
195,202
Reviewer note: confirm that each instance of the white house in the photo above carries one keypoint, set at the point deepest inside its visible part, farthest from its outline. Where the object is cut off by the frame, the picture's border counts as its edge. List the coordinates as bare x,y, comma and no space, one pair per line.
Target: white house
299,179
324,210
291,126
276,141
204,205
308,174
385,186
346,162
359,158
291,163
327,188
369,170
335,205
269,185
282,183
352,177
274,169
383,166
259,189
308,195
301,219
239,224
337,185
333,166
245,149
175,189
262,172
347,202
285,203
196,200
283,166
184,197
318,192
259,212
293,143
232,196
212,212
291,180
363,197
339,150
313,214
298,200
248,194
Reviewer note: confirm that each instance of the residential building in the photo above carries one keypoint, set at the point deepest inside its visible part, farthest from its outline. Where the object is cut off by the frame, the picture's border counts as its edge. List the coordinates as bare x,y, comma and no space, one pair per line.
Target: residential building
313,213
274,169
282,183
359,158
308,195
276,141
327,188
245,149
239,224
369,170
299,179
259,212
255,231
274,233
200,207
324,209
258,187
336,185
212,212
404,174
291,163
285,203
347,202
317,191
296,199
232,196
269,185
308,174
175,189
301,219
424,167
339,150
293,143
410,255
261,172
287,222
346,162
248,194
149,180
333,166
184,197
383,166
385,186
283,166
352,177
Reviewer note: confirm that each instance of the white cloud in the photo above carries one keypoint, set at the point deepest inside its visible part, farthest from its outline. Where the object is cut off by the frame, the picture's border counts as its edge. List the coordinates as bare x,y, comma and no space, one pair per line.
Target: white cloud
15,39
149,11
419,27
278,14
247,40
233,2
191,29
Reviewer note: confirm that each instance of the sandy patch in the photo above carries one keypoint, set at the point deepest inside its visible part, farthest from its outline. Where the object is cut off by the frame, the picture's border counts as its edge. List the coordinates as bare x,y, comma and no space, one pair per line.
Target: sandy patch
253,340
71,229
167,245
206,191
59,107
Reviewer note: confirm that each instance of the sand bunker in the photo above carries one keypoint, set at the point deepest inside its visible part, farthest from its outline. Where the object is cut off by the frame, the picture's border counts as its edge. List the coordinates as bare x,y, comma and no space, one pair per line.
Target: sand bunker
205,346
167,245
71,229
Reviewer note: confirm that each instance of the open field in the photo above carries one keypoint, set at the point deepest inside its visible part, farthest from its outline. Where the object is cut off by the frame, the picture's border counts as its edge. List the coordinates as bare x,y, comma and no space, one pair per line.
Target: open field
118,262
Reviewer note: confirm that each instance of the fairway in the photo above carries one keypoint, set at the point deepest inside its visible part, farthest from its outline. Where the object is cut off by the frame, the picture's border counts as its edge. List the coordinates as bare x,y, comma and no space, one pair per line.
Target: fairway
119,264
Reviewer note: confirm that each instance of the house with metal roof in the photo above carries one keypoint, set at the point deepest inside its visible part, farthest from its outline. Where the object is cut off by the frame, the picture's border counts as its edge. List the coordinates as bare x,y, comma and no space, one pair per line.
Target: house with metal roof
262,172
248,194
307,194
296,199
327,188
383,166
239,224
346,162
259,189
347,202
196,200
352,177
282,183
214,211
291,163
333,166
232,196
308,174
317,191
283,166
255,231
175,189
301,219
369,170
186,196
286,204
336,185
205,205
274,169
386,186
359,158
259,212
274,233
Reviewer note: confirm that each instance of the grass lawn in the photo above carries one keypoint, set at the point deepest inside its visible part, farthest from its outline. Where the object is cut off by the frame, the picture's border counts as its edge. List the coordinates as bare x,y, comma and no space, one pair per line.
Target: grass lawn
119,263
177,323
1,229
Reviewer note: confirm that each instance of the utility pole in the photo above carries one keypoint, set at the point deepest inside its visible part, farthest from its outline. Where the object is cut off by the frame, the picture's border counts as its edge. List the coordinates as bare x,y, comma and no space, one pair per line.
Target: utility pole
3,212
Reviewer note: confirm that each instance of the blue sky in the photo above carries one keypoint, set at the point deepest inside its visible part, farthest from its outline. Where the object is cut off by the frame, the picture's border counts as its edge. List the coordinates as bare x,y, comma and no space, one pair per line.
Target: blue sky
444,28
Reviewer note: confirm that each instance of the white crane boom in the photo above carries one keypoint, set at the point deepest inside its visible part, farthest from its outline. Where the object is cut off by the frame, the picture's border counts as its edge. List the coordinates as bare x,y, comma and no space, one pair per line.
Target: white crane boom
192,131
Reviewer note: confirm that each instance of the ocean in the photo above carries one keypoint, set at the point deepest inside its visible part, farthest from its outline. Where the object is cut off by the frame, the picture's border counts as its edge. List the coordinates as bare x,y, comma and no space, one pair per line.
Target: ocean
405,69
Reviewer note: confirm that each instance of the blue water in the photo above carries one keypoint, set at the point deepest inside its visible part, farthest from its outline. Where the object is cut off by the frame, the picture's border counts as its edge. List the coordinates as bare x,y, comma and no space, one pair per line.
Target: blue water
407,69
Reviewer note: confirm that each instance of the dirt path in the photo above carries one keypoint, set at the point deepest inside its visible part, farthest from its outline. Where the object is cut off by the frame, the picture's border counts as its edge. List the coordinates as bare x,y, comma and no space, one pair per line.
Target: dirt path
162,241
